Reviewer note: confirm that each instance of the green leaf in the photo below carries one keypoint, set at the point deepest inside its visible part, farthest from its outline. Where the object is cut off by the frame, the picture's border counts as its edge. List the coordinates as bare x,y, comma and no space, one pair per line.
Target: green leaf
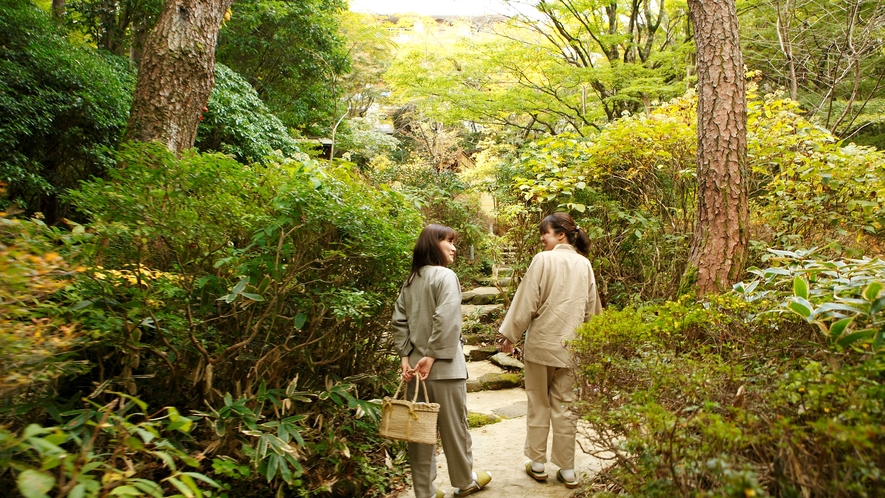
802,307
872,291
838,327
240,285
254,297
125,491
79,491
181,487
34,484
183,424
149,487
207,480
877,305
827,307
800,287
300,320
855,336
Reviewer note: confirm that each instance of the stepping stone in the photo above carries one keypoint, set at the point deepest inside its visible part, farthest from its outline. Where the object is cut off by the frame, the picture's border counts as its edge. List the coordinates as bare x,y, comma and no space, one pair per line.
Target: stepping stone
504,361
481,295
485,313
496,381
482,354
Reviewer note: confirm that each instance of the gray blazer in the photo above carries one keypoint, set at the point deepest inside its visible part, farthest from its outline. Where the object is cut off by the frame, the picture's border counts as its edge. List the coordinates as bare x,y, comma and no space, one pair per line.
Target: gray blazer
427,322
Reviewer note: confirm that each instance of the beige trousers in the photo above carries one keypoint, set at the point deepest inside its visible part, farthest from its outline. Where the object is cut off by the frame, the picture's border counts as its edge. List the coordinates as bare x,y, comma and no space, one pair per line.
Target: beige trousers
549,393
454,434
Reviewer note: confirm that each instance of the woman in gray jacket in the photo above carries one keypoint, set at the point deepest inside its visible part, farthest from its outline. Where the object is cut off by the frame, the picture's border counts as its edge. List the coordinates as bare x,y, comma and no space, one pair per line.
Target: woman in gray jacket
557,294
426,328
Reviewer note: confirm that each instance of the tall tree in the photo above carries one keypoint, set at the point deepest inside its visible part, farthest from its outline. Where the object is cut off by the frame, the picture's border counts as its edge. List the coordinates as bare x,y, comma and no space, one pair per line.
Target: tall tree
58,8
719,248
119,26
176,73
291,52
828,54
628,49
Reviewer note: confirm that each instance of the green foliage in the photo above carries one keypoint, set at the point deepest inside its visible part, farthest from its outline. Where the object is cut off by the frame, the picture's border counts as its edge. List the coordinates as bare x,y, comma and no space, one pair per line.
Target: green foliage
120,27
444,198
115,449
237,122
291,53
61,105
726,398
632,188
810,189
834,52
35,341
843,298
240,279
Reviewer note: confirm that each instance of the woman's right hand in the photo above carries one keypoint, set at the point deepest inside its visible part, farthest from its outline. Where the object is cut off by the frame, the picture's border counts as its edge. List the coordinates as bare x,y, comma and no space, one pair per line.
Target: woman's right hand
407,370
506,346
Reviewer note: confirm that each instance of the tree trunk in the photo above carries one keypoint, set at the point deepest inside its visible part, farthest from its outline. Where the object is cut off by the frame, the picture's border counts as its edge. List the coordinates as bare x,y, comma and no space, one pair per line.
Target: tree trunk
719,248
58,8
176,73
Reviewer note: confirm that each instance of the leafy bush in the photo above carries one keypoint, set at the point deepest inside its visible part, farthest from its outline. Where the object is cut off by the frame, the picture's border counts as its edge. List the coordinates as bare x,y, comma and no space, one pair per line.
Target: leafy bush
736,395
444,198
241,279
632,188
62,106
237,122
35,341
103,450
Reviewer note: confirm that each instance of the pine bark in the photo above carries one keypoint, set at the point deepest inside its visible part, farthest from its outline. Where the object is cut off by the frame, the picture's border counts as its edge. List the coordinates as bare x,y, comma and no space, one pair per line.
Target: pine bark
176,73
719,248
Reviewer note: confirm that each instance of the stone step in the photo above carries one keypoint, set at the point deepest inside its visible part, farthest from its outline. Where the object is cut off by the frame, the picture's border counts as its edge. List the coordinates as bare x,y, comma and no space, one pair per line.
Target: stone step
483,313
484,375
481,295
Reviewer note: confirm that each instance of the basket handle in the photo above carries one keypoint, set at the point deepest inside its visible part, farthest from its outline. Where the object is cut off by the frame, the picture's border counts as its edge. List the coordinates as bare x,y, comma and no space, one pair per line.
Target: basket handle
421,384
418,388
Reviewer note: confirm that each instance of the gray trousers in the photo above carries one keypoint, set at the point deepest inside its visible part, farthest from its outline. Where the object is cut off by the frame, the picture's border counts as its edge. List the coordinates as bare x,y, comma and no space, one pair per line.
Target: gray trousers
549,393
454,434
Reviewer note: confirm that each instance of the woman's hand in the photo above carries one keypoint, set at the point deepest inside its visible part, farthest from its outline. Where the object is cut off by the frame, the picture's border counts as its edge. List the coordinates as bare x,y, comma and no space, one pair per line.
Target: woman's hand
408,371
423,367
506,346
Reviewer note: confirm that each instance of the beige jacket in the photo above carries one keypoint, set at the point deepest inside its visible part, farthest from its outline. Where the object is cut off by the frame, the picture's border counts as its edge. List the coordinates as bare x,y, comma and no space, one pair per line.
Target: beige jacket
427,322
557,294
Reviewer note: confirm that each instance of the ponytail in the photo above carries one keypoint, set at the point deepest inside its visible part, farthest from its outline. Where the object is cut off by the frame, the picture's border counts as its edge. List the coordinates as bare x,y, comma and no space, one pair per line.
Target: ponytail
563,223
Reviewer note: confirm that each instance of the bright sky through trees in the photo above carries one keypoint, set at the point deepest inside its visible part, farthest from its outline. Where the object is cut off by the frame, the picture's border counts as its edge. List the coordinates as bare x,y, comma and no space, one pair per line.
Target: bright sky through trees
425,7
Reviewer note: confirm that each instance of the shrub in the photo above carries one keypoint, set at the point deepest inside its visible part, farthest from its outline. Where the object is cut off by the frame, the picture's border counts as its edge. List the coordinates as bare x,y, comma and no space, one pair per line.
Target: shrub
736,395
237,122
62,107
241,279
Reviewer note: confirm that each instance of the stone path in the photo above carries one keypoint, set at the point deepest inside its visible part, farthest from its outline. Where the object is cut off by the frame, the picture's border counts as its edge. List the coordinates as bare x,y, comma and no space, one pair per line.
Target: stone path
498,447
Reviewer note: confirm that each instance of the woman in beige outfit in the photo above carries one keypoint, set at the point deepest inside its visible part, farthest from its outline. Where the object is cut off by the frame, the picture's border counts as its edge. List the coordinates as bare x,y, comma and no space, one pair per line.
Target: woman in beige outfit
426,328
557,294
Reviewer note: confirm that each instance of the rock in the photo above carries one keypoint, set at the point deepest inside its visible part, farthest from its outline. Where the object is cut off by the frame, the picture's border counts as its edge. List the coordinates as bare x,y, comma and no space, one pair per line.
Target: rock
474,385
481,295
506,362
482,354
493,381
484,313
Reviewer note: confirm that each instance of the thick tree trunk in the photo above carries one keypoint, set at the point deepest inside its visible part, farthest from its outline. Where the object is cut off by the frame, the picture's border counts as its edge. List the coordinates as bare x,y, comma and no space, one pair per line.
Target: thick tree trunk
58,8
719,248
176,73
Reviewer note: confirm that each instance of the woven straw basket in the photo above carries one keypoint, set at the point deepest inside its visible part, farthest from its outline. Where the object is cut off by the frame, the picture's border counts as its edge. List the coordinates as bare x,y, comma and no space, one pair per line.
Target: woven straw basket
409,420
